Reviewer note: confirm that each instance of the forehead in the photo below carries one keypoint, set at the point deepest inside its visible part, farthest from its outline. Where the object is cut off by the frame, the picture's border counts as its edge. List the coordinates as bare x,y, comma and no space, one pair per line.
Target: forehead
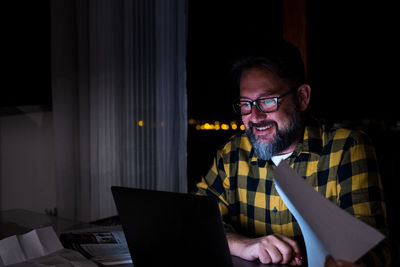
257,82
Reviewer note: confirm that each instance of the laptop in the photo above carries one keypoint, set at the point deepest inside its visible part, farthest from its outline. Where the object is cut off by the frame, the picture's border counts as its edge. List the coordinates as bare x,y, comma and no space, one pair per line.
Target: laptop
171,229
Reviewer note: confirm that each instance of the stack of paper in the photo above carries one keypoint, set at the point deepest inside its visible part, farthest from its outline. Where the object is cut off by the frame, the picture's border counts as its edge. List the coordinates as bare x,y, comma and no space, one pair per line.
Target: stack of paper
326,228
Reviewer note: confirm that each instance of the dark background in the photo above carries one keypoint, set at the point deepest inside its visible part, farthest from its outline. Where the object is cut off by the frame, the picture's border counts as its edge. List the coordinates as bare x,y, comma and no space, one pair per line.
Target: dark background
353,58
25,55
352,65
352,46
353,61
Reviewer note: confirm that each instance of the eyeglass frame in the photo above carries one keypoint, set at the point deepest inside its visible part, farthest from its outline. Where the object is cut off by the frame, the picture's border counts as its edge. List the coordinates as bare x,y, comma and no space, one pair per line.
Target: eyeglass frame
254,103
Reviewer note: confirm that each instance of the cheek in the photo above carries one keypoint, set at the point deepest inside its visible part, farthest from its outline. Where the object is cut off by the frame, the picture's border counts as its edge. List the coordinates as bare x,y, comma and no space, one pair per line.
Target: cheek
284,118
245,120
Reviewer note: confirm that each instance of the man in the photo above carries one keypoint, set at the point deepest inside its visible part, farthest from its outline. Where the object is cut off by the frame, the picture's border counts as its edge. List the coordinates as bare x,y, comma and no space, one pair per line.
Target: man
338,163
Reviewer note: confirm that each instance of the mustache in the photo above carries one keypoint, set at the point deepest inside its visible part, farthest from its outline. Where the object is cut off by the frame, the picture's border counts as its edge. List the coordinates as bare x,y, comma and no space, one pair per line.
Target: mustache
263,124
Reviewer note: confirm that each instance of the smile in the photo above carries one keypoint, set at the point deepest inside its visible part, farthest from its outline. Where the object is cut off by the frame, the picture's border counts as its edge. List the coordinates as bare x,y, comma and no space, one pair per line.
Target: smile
263,128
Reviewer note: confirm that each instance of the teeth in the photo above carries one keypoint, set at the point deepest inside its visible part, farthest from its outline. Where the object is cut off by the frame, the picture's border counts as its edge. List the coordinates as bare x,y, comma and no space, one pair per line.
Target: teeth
263,128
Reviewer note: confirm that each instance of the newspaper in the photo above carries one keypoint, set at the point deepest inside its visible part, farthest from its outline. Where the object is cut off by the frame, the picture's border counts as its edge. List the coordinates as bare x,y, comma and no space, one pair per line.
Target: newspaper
104,245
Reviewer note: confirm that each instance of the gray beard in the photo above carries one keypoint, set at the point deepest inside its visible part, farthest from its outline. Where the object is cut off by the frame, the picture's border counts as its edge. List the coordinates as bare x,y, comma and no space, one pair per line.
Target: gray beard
282,139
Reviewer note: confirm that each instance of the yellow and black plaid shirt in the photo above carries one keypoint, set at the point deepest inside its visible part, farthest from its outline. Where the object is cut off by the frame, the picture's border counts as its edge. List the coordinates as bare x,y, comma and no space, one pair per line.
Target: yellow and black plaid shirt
339,163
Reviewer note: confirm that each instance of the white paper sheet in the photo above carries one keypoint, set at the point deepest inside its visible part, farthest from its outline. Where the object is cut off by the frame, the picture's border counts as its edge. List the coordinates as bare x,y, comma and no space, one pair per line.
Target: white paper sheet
326,228
10,251
36,243
49,240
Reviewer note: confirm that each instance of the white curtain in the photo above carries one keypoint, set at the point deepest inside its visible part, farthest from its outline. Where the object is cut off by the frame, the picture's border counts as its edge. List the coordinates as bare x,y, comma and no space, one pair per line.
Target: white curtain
119,100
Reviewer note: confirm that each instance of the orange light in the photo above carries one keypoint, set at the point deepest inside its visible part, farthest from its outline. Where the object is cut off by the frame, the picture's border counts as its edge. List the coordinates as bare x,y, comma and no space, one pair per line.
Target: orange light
140,123
225,126
208,126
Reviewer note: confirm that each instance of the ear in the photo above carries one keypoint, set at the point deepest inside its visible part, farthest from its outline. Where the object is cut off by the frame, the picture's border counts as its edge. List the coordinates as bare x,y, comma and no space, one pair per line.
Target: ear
303,96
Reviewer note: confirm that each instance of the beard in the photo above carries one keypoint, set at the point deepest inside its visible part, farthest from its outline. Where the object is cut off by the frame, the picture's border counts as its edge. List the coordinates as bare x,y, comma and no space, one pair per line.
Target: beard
282,139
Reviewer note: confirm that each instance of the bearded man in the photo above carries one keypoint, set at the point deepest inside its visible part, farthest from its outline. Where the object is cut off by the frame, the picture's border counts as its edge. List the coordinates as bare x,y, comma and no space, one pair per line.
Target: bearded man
339,163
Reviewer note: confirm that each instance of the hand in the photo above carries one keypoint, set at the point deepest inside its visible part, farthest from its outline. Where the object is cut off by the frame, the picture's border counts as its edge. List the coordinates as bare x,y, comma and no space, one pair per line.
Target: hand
330,262
275,248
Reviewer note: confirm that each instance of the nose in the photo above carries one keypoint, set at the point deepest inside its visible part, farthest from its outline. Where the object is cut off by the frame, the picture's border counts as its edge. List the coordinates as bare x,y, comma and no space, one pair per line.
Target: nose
257,115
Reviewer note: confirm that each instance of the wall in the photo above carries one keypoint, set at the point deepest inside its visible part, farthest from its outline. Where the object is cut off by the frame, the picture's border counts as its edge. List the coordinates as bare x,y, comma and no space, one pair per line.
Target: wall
27,162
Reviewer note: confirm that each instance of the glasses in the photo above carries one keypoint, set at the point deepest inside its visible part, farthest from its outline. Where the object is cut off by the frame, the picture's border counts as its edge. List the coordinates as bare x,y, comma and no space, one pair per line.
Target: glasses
263,104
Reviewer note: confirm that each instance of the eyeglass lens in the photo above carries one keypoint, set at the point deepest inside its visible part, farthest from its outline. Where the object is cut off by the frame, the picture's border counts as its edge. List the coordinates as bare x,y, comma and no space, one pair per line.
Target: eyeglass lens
264,104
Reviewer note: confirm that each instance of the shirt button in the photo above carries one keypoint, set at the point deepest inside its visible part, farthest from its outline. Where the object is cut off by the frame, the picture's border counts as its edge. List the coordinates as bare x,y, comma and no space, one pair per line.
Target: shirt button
274,210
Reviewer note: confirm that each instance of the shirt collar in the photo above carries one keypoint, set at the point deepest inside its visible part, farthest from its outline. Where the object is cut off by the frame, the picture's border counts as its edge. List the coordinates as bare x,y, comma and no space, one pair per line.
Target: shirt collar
312,140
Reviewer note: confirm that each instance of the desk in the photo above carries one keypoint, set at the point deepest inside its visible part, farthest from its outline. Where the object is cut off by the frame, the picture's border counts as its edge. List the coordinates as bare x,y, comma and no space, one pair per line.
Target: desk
237,262
18,221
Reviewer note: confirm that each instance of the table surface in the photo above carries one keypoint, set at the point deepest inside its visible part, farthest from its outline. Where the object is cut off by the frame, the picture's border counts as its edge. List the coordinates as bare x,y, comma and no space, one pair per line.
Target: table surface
18,221
237,262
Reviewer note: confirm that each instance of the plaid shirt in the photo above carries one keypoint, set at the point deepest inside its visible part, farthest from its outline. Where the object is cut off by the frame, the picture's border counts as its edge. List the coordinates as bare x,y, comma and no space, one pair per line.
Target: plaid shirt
339,163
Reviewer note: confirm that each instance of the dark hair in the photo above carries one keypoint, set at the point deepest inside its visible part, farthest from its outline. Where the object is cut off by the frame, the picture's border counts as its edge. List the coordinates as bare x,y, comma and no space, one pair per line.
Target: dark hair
280,57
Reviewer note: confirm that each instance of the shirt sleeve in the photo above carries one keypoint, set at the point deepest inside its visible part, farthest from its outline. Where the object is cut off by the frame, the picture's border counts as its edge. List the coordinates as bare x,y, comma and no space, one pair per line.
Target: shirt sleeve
216,184
361,193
